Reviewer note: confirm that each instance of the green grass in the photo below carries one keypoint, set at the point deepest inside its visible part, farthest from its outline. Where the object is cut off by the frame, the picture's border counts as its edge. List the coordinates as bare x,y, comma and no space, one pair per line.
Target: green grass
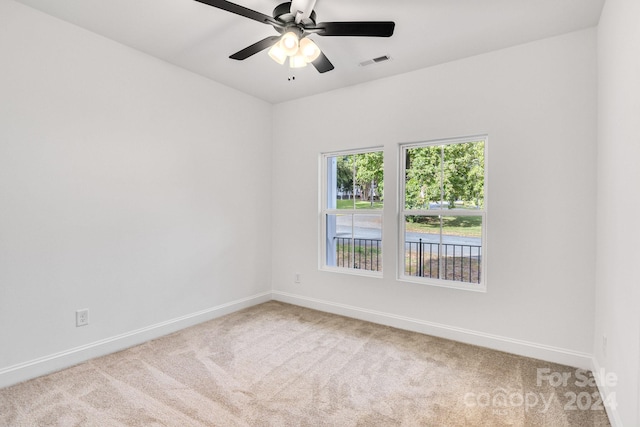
360,257
468,226
360,204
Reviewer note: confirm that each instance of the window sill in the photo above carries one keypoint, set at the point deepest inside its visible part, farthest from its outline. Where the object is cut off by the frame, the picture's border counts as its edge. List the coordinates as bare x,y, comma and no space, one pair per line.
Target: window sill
352,271
473,287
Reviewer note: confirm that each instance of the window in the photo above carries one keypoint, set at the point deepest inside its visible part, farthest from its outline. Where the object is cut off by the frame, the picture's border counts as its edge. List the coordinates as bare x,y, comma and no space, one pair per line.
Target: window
351,212
443,213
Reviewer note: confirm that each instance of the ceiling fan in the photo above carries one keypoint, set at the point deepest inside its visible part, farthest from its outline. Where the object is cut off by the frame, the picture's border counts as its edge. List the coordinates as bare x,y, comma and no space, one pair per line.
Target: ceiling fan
294,21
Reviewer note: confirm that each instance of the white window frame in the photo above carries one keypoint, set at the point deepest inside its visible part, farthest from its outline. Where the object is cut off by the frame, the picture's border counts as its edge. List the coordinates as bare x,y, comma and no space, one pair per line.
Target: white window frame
324,211
403,213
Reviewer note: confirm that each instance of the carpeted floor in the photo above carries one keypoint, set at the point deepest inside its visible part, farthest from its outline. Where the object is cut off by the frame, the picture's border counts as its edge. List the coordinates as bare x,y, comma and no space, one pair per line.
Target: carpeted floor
281,365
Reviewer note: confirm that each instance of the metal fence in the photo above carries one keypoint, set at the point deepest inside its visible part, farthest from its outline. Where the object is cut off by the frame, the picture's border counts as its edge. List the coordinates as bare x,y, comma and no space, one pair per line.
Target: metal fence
363,253
458,262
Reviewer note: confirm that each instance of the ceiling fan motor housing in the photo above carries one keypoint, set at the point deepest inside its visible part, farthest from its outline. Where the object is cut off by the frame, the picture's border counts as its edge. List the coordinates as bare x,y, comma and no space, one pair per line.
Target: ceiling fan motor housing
282,13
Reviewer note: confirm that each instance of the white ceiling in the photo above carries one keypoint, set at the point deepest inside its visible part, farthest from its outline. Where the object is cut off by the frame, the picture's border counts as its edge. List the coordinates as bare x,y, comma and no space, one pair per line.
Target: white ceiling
200,38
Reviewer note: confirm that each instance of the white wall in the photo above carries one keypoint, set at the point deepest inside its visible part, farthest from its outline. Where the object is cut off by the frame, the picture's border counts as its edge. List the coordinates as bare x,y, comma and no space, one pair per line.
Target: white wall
618,255
537,102
124,183
115,195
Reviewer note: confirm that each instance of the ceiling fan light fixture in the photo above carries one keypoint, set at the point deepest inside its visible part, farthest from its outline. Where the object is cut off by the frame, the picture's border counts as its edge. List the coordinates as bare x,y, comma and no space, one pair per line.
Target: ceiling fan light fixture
289,43
293,20
298,60
309,49
277,53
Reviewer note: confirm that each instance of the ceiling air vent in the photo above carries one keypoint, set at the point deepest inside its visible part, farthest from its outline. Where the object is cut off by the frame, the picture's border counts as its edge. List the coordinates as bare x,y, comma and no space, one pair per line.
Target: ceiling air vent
375,60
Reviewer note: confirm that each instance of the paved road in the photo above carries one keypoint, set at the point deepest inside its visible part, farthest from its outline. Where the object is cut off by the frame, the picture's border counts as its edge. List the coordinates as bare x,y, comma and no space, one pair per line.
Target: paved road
375,233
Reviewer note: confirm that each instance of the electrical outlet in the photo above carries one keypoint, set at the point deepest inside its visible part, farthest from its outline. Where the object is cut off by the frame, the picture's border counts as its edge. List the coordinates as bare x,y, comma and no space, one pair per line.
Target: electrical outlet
82,317
297,278
604,345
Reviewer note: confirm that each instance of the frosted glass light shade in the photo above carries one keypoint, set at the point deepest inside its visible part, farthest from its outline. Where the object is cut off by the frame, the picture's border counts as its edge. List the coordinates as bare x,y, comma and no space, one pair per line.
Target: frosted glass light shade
298,60
289,43
309,49
277,53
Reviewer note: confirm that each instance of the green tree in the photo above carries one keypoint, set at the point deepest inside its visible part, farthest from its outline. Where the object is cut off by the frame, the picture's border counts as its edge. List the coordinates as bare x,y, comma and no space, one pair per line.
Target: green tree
448,173
423,176
464,173
344,166
370,174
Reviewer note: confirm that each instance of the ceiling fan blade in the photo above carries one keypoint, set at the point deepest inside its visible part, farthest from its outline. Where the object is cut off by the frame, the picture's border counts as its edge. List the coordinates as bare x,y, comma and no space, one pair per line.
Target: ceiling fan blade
255,48
361,29
242,11
322,63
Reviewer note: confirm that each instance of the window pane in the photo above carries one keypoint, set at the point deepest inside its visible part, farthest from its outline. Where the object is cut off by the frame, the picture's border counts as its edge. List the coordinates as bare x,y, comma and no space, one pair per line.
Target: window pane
422,245
355,181
369,179
464,175
444,247
340,173
367,242
339,240
354,241
461,249
423,177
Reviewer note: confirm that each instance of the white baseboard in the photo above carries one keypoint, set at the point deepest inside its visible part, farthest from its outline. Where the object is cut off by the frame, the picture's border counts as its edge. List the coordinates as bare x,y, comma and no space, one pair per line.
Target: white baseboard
606,393
509,345
54,362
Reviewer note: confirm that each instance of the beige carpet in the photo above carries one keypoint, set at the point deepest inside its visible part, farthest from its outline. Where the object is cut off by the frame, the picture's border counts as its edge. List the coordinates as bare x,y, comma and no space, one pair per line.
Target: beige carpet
280,365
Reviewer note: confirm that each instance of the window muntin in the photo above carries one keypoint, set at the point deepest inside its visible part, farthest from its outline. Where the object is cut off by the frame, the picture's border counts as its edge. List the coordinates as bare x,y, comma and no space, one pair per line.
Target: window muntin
443,213
352,202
